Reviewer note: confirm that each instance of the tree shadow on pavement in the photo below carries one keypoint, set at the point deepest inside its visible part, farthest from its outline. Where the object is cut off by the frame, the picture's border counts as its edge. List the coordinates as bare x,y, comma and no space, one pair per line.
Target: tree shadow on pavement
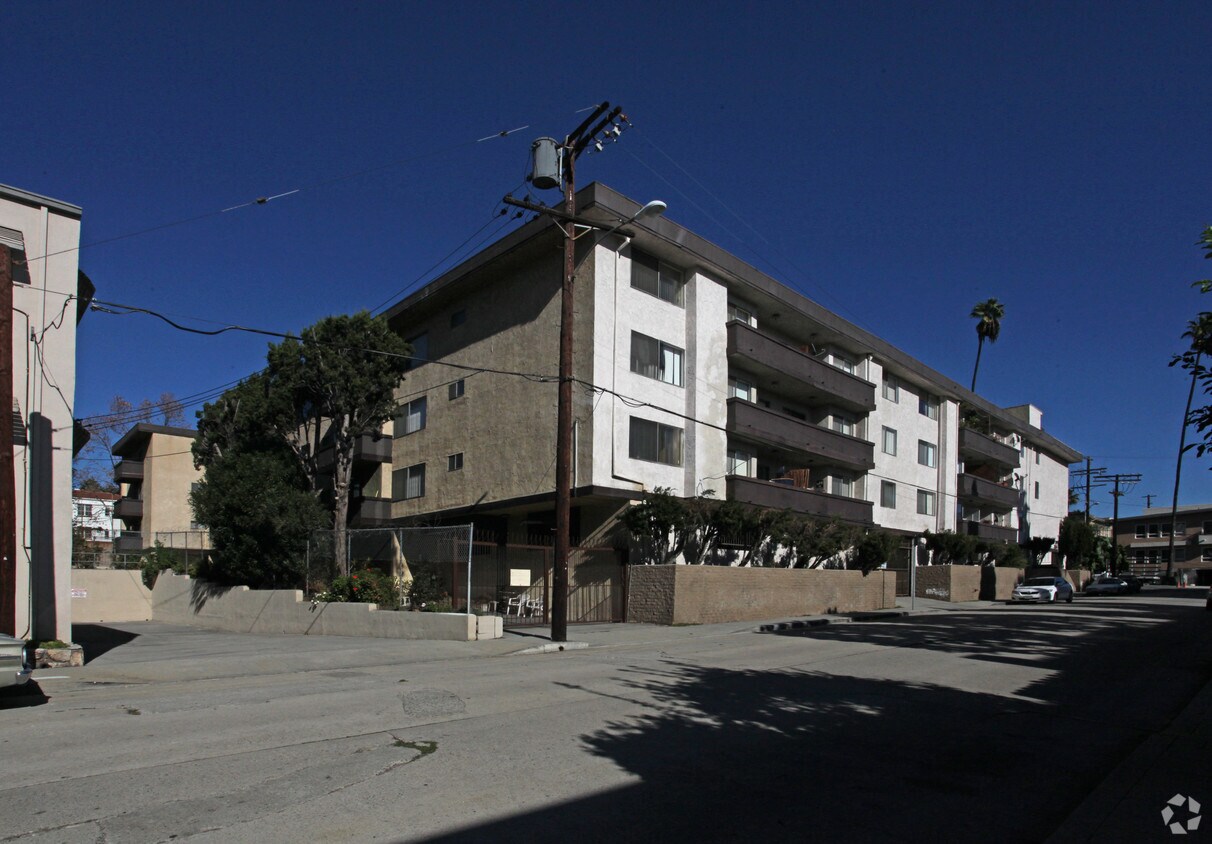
775,754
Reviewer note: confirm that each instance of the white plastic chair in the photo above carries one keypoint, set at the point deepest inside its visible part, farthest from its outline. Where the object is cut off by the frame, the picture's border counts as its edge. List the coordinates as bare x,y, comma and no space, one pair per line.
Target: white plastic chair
534,606
516,602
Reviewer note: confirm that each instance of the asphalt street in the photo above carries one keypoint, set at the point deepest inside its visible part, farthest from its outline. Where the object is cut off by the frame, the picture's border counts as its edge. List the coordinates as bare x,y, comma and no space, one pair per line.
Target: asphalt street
979,723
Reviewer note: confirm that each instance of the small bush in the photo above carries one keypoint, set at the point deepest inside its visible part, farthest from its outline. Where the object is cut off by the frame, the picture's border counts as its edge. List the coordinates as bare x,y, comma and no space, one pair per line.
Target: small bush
159,559
425,592
367,586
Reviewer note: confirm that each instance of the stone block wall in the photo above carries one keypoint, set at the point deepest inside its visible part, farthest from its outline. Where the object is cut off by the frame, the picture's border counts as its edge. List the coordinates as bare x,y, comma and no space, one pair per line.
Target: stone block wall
713,594
949,583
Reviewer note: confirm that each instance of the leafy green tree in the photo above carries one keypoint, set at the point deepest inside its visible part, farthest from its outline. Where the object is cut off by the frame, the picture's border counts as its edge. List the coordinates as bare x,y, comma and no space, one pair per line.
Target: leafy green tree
1037,546
318,394
659,524
872,550
1077,541
988,315
949,548
260,511
334,384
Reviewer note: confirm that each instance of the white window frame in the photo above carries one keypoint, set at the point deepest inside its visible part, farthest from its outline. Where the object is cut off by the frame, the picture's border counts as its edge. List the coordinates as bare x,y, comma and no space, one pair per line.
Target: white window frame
892,389
455,390
927,454
888,494
925,503
739,388
927,405
889,441
669,283
454,462
670,360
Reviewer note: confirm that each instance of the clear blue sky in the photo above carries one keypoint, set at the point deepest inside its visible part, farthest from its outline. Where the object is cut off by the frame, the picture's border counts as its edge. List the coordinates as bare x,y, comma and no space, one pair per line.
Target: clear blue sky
897,162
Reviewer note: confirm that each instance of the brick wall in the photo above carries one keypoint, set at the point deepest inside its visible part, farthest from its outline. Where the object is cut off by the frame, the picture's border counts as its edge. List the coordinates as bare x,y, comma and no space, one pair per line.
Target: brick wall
712,594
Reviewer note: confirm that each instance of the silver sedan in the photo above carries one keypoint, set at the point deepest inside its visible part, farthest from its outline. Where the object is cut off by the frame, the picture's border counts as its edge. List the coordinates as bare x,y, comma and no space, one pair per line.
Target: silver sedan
14,666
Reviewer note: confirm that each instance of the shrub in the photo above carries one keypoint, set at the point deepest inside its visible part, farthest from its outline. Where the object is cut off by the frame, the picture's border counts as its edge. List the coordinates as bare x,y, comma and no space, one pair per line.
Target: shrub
367,586
159,559
425,592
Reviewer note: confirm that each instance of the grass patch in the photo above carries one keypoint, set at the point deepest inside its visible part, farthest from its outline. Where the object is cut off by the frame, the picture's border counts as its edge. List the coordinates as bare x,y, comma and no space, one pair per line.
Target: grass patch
422,747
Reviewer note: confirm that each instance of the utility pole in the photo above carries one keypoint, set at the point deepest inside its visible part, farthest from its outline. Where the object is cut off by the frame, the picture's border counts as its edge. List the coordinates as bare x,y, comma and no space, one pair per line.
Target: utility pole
1089,473
601,120
8,483
1149,500
1118,478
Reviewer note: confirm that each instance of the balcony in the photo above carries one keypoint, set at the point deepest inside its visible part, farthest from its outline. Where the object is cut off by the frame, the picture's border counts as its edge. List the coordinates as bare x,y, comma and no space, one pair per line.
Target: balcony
128,508
777,362
807,501
981,530
367,449
369,512
974,490
128,470
977,448
814,444
128,542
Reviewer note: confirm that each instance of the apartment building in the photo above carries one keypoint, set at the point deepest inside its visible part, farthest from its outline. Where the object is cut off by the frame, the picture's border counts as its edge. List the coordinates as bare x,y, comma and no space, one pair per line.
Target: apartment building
695,372
39,238
93,515
155,474
1146,540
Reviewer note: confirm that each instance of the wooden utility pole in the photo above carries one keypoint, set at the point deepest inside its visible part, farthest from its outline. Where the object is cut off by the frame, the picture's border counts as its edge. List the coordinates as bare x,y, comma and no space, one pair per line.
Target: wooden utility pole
8,483
1117,479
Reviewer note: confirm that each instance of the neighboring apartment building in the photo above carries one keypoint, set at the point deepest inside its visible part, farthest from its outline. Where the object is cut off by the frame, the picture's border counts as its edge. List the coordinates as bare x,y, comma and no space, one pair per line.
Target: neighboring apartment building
155,474
695,372
1146,541
93,516
40,238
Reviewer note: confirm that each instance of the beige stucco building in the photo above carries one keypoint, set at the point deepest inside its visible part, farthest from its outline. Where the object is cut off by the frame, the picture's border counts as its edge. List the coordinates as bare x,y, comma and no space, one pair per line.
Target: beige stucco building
155,474
694,372
49,296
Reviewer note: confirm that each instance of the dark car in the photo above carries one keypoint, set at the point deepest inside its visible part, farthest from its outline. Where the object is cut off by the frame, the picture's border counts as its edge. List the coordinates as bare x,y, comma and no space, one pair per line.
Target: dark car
1135,584
1108,586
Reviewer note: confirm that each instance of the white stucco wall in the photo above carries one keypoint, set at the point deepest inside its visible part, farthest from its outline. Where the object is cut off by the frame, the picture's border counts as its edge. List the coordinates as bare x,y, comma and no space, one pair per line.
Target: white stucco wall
45,389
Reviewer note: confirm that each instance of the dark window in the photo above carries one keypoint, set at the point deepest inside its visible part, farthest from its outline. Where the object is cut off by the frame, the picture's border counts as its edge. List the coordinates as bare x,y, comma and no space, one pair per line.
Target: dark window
655,278
408,482
655,442
654,359
454,462
420,350
455,390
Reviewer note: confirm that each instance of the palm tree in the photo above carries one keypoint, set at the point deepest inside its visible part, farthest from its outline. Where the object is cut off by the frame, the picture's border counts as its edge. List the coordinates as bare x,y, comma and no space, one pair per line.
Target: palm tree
989,325
1199,332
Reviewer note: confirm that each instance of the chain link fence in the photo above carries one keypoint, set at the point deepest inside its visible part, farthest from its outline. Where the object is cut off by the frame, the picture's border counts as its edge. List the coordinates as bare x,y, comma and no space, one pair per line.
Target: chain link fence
443,556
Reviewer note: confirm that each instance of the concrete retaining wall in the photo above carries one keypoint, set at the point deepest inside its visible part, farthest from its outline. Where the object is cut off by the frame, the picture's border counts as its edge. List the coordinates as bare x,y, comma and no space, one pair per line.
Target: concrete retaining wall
178,599
1078,578
997,584
711,594
100,595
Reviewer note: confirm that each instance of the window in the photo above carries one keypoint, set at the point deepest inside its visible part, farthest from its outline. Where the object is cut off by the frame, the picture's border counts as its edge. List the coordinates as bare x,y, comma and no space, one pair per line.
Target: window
741,314
844,364
454,462
411,417
455,390
458,318
655,277
843,424
1180,528
1037,489
1154,531
420,351
1140,531
925,503
408,482
888,494
927,454
1165,528
738,389
795,414
740,463
841,486
654,359
655,442
890,441
892,388
927,405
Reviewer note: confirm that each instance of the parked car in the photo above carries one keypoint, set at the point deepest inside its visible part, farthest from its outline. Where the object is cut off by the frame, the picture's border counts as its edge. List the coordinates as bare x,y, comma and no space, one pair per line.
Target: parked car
14,666
1041,589
1108,586
1135,584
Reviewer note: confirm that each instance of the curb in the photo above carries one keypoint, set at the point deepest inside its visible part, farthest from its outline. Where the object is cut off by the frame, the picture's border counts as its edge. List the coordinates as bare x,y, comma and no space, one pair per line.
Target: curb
552,647
825,621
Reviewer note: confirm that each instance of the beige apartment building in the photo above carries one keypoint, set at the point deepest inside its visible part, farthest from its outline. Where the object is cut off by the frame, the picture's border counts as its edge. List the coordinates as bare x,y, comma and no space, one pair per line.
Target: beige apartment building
155,474
39,237
697,373
1147,540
